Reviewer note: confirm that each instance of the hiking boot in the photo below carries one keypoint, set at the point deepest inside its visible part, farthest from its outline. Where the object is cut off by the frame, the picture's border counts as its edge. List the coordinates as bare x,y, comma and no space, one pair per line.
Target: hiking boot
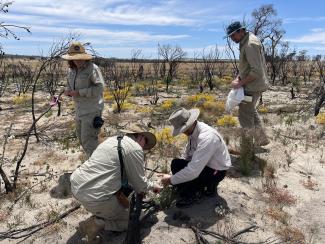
184,202
89,230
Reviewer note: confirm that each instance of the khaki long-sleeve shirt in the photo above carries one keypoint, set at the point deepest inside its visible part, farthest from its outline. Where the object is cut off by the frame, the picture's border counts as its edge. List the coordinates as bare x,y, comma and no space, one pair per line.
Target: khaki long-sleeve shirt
205,147
88,80
100,176
252,62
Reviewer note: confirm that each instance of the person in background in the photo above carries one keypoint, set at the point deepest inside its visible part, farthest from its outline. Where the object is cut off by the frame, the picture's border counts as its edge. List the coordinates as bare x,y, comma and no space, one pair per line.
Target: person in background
205,160
253,78
85,85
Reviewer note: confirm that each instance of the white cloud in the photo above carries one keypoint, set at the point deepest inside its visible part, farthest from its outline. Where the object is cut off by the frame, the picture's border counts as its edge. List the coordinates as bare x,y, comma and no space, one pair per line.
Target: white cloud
107,12
303,19
317,38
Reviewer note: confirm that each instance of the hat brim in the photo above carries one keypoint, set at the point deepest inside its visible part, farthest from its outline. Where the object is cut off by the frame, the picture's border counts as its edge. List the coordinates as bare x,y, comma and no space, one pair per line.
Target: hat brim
79,56
242,27
194,115
150,138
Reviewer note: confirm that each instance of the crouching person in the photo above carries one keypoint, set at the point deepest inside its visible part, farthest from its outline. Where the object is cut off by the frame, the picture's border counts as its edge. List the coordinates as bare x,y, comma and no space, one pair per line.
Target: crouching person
205,160
97,183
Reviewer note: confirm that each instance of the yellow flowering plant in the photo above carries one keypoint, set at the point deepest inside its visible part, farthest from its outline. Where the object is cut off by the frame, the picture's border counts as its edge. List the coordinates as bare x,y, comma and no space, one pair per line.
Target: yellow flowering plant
227,121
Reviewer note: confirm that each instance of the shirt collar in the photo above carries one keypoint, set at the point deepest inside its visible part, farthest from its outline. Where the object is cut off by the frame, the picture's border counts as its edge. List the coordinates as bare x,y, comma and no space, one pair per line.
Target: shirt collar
245,39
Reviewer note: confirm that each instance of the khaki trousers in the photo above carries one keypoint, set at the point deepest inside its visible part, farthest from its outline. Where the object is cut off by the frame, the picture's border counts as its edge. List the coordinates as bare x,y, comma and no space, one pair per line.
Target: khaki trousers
110,212
249,119
86,133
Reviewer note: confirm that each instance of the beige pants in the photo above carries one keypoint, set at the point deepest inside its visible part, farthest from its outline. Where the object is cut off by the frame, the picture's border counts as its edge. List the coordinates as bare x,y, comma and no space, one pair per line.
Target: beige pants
111,212
86,133
250,121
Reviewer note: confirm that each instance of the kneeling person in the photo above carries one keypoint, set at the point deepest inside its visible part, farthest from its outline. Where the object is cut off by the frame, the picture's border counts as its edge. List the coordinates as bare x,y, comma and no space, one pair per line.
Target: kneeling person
205,160
96,183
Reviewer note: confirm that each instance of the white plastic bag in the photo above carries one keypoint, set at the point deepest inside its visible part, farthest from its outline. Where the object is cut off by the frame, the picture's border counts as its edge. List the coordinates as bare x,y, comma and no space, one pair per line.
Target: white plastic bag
234,98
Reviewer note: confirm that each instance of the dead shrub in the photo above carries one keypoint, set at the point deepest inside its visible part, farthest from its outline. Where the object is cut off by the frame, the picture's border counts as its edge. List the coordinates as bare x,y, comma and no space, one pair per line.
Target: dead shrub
278,215
291,235
279,196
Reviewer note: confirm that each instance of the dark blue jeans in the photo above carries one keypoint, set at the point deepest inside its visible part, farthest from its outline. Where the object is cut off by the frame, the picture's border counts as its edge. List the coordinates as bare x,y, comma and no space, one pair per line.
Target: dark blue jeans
207,181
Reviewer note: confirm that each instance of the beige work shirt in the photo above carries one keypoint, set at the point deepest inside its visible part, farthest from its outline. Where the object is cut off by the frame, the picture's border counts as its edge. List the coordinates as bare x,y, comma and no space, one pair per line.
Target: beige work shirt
100,176
252,62
88,80
205,147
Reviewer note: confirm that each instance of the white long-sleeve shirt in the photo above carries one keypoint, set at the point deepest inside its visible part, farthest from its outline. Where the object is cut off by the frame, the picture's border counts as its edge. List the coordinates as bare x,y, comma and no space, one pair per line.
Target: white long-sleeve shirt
205,147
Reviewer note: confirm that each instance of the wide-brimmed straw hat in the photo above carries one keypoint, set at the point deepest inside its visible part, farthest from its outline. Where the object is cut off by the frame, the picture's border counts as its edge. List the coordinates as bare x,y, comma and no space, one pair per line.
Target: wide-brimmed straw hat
143,130
77,52
233,27
182,119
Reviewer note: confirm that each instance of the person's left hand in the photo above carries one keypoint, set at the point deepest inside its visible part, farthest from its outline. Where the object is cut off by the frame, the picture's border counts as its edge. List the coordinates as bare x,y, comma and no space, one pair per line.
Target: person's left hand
165,180
236,83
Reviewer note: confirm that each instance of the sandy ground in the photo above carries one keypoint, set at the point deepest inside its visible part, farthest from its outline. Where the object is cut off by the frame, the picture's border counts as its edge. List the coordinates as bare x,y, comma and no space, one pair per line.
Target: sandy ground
296,152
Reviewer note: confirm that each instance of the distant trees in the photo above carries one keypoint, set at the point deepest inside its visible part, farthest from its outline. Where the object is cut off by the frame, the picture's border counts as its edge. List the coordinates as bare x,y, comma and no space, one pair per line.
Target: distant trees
172,57
210,58
268,28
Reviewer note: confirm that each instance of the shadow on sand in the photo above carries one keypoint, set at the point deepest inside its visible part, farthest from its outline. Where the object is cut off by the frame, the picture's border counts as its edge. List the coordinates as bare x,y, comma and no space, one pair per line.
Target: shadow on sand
204,213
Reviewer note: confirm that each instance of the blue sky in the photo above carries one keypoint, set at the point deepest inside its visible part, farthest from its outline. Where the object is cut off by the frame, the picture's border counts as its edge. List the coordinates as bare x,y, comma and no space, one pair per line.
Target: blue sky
116,27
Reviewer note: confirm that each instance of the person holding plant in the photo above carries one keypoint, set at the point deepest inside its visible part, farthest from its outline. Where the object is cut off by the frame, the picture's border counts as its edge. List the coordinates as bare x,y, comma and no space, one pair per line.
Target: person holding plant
205,161
85,85
101,182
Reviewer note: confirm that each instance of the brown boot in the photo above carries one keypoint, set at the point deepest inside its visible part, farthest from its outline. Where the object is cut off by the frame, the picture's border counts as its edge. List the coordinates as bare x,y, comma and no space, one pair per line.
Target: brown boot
89,230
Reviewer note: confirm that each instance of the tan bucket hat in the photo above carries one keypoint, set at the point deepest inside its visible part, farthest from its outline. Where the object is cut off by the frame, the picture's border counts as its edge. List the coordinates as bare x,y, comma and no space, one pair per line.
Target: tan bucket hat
77,52
143,130
182,119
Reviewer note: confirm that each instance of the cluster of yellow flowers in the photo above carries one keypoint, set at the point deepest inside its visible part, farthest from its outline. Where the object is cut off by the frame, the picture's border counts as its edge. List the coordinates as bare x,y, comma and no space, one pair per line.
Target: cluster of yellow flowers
320,119
108,96
164,136
23,99
218,106
167,104
202,97
263,109
125,106
121,92
227,121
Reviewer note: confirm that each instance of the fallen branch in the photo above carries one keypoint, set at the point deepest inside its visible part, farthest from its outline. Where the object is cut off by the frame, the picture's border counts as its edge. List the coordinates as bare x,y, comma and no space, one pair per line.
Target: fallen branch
198,235
248,229
198,232
29,231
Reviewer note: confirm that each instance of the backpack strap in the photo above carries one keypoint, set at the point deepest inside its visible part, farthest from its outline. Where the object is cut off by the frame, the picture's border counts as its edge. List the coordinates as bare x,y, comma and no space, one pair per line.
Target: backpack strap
120,156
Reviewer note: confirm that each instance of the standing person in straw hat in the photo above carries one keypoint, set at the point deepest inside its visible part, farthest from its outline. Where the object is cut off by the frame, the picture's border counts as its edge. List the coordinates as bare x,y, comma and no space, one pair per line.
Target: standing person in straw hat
97,183
85,86
253,78
205,160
